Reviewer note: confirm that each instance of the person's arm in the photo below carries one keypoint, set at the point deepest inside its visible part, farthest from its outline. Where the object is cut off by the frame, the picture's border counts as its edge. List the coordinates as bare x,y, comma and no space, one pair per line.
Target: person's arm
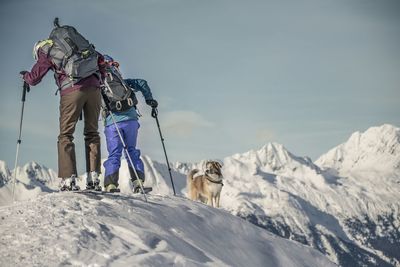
142,86
39,70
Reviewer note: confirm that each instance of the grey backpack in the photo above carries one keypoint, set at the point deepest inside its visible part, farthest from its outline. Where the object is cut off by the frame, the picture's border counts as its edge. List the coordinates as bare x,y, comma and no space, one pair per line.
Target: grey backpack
120,96
72,55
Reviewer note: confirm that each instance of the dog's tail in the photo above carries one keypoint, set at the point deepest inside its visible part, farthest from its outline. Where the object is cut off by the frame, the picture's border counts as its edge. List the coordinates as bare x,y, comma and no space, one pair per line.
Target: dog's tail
190,175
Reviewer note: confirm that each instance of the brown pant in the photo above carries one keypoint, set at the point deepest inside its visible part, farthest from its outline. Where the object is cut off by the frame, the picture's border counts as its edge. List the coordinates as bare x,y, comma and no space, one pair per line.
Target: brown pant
71,105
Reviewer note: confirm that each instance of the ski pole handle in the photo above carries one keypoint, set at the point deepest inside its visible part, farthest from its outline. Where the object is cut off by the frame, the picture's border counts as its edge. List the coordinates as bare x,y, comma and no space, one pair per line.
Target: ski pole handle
56,22
154,112
26,89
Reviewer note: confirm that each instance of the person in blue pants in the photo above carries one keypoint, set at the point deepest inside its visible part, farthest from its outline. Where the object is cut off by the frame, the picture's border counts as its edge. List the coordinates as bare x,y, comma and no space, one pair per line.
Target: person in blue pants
128,125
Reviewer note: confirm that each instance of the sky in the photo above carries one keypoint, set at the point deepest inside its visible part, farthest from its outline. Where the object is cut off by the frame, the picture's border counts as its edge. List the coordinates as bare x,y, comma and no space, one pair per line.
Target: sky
229,75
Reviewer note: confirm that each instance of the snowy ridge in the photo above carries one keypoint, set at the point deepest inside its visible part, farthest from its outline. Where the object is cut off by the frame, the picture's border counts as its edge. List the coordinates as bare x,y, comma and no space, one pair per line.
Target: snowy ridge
352,219
342,205
5,173
32,180
378,148
106,230
275,157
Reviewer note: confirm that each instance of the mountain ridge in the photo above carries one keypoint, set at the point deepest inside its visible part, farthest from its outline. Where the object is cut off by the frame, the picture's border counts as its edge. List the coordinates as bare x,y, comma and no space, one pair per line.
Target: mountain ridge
350,215
377,148
84,229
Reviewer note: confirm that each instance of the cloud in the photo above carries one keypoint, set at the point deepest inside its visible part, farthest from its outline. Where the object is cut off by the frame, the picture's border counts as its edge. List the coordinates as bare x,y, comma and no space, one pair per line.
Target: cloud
183,123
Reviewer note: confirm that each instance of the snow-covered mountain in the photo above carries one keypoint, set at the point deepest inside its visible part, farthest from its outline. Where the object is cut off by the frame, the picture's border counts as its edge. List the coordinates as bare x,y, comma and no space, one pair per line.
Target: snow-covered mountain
32,180
378,149
346,204
83,229
353,219
5,174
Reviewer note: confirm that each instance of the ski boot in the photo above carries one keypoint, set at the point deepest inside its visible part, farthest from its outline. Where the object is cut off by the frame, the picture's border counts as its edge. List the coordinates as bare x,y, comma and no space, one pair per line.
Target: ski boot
69,184
135,182
93,181
137,188
112,188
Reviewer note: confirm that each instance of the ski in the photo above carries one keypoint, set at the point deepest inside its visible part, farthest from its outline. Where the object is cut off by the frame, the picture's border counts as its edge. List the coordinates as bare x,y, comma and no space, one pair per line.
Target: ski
99,191
111,192
93,188
145,189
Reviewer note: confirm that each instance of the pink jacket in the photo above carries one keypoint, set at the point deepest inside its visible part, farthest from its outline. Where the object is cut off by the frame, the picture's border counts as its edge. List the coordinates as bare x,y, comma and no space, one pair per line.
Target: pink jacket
44,64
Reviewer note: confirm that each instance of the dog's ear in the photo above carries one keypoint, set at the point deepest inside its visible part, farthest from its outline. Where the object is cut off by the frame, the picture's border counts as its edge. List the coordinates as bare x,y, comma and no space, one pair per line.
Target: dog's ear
208,162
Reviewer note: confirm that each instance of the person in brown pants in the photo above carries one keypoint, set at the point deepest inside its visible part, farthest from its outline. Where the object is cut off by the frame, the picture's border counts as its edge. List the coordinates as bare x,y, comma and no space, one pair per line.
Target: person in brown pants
83,95
71,105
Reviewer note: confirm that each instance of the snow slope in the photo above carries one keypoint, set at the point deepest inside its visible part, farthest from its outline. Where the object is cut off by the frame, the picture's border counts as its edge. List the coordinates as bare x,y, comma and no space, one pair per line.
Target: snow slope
81,229
376,149
346,204
352,217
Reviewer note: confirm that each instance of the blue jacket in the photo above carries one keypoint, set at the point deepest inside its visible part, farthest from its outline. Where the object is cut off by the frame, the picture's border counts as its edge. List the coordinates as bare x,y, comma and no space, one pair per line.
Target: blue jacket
137,85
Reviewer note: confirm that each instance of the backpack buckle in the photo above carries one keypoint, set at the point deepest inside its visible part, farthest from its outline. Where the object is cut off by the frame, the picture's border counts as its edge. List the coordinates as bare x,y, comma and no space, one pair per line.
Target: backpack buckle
118,105
130,102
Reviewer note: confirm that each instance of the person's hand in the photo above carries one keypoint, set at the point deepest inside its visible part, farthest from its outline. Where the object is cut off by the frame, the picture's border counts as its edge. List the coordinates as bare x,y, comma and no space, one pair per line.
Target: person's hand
23,73
152,103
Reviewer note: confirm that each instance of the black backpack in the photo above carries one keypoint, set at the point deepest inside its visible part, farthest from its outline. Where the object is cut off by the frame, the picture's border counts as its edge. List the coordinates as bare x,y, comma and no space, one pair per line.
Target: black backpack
120,96
72,55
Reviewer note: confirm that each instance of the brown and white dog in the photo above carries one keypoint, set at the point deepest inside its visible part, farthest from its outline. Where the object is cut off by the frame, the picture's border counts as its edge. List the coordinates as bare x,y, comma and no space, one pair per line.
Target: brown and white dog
207,187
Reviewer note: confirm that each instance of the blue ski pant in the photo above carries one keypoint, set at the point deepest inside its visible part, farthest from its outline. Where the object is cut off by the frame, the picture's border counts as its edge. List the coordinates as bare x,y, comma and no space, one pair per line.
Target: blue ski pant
129,131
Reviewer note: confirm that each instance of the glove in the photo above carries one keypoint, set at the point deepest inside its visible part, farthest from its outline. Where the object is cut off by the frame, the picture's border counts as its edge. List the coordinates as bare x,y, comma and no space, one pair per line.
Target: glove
23,73
152,103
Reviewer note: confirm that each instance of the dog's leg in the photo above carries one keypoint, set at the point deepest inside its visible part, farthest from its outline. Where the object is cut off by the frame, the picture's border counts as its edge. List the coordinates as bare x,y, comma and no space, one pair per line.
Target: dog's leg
217,200
193,194
210,200
214,202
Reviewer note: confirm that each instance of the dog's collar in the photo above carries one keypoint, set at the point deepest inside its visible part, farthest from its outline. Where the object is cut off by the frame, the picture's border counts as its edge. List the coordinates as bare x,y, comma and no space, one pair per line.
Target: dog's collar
214,181
212,172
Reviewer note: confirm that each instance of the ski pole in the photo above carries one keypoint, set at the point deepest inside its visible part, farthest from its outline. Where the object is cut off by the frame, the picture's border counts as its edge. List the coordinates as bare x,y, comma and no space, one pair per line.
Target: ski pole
123,142
24,91
154,114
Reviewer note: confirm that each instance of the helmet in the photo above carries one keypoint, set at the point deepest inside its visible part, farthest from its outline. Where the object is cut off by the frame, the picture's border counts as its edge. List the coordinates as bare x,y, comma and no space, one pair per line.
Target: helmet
38,45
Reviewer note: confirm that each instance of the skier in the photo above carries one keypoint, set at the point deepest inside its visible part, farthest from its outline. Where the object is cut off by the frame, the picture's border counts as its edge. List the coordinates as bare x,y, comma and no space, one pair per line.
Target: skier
66,51
125,116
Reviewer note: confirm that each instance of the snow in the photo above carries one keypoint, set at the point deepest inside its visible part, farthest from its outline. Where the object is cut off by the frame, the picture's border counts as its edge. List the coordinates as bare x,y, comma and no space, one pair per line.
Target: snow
272,176
107,230
358,179
5,174
32,180
341,204
377,149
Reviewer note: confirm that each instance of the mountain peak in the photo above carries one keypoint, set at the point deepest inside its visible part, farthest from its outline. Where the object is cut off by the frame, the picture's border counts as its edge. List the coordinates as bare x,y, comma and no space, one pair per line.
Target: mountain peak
273,157
276,154
33,171
376,148
5,174
274,147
